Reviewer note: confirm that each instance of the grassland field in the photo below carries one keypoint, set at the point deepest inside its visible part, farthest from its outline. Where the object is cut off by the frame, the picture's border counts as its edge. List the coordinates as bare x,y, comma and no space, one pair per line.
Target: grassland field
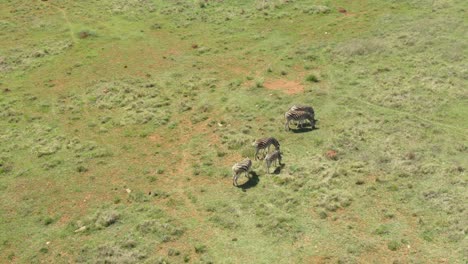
120,122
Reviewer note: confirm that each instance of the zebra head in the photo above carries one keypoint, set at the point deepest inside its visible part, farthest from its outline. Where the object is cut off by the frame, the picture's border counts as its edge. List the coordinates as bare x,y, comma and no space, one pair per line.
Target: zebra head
254,143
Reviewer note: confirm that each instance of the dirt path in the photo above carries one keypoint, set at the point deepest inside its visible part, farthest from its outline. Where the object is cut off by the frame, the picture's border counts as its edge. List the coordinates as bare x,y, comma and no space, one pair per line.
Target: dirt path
454,129
65,17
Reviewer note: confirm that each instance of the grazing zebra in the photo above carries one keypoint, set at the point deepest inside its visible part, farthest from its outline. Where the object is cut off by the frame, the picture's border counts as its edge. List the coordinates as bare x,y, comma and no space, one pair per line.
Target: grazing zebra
265,143
304,108
239,168
272,157
298,116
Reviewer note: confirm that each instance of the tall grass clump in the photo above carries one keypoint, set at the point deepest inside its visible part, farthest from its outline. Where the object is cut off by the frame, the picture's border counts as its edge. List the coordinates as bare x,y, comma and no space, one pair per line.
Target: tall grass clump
359,47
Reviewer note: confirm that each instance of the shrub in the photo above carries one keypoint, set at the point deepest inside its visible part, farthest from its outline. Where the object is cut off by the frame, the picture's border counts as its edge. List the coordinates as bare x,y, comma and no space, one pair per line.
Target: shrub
5,166
359,47
107,218
393,245
259,83
323,214
156,26
200,249
138,196
116,254
317,9
163,231
48,220
81,168
312,78
382,230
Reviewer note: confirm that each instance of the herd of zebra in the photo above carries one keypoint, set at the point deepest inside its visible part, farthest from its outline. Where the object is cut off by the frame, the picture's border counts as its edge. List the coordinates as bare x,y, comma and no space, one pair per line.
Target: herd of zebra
298,114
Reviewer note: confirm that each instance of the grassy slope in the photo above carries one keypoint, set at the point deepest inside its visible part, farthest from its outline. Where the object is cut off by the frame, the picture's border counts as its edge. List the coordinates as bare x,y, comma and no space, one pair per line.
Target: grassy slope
135,106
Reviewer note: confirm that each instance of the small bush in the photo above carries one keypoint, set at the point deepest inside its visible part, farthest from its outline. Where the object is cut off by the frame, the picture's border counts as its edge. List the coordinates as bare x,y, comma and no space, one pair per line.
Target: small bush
156,26
393,245
312,78
138,197
162,231
107,218
48,220
316,9
5,166
359,47
323,214
81,168
382,230
115,254
200,249
259,83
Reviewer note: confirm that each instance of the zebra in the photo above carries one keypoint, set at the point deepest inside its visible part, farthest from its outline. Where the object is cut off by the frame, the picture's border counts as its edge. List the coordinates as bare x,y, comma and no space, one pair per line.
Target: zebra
272,157
304,108
265,143
239,168
298,116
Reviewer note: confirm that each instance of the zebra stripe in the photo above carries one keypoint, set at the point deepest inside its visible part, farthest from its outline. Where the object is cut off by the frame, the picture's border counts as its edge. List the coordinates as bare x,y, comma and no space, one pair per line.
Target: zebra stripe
272,157
239,168
304,108
298,116
265,143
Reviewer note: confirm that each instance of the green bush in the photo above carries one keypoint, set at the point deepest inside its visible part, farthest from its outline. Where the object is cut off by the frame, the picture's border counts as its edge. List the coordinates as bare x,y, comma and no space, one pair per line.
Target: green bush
393,245
312,78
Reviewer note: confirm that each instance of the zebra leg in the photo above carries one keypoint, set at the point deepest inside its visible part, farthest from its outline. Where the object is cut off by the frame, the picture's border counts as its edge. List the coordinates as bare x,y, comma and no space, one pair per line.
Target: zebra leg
256,153
286,126
299,124
234,179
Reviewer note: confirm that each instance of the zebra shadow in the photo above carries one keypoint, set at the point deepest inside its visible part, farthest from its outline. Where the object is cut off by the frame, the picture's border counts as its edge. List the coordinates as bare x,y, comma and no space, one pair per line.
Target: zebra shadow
252,182
278,169
303,129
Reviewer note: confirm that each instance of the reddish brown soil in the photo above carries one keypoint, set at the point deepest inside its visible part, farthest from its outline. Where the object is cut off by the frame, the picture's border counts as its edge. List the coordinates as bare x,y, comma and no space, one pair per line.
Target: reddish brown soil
287,86
331,154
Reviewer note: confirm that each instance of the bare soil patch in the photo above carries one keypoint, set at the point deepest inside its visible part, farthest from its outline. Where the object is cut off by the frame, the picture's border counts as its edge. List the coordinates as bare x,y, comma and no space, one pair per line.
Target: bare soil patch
287,86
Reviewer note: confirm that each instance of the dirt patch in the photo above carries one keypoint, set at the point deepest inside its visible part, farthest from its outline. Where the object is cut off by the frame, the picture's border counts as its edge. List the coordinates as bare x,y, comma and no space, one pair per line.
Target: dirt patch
289,87
331,154
156,138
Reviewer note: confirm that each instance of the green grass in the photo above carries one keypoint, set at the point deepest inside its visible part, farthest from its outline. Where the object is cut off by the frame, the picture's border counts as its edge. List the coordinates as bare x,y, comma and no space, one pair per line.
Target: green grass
120,122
